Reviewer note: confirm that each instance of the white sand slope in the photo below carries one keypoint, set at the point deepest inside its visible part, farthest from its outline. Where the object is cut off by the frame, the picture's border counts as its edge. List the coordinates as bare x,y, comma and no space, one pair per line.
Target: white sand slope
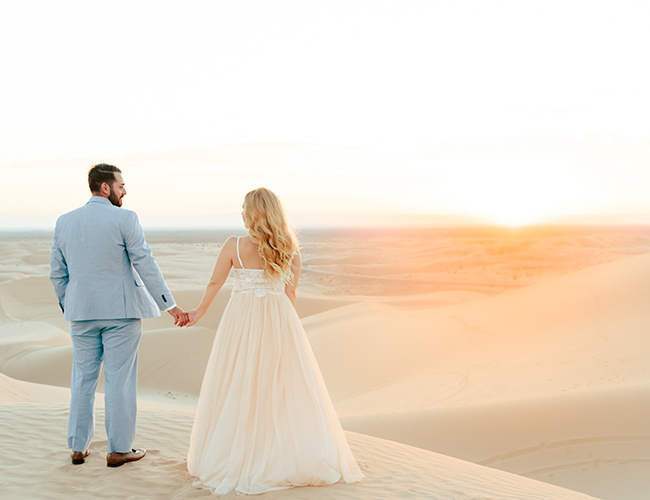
33,438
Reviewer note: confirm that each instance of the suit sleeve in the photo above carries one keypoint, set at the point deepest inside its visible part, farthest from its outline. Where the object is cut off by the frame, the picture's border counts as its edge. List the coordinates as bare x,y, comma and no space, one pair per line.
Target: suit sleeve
58,271
142,259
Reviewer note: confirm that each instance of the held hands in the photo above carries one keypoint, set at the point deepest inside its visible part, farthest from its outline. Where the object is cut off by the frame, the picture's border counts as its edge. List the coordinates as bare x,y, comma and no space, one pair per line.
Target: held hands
181,318
194,315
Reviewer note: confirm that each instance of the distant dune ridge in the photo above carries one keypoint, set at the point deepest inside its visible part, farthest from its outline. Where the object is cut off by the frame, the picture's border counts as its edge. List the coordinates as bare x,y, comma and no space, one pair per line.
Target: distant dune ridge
447,357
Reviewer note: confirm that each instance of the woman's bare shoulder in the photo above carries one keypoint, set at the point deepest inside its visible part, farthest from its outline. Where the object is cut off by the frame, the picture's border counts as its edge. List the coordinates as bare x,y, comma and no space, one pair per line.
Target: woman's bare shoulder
230,245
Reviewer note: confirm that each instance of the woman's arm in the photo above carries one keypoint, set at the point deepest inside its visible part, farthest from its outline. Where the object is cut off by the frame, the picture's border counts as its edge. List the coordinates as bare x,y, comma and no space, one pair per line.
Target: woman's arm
290,288
218,278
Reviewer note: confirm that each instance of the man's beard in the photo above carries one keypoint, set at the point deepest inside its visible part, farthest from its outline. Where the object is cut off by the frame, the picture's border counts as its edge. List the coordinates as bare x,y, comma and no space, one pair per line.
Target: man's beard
114,198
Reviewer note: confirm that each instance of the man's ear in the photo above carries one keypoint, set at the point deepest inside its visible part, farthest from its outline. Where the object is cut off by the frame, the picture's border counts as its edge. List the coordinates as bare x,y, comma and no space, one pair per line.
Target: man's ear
105,189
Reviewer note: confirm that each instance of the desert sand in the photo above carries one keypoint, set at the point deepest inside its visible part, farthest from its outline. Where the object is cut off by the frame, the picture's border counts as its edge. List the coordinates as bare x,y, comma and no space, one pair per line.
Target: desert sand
466,364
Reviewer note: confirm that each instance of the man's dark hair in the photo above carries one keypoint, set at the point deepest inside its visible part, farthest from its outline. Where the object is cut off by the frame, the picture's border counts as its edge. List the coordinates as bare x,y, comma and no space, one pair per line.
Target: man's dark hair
100,173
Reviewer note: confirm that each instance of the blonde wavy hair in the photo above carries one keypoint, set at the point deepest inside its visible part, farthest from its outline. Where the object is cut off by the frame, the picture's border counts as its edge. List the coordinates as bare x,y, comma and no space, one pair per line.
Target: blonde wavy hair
268,227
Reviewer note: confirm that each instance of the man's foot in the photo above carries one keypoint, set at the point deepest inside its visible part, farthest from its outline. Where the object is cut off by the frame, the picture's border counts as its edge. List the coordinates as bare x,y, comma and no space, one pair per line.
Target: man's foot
116,459
79,457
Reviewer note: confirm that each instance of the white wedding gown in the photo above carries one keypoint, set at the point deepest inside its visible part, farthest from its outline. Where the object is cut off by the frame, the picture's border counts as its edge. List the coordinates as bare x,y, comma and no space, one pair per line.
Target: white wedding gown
264,419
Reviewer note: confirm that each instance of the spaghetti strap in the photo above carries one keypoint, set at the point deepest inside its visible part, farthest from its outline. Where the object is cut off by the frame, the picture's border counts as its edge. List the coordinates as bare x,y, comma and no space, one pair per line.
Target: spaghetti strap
238,257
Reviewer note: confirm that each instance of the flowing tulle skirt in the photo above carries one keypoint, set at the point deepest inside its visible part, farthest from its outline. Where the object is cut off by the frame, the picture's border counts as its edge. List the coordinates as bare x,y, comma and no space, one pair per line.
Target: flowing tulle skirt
264,419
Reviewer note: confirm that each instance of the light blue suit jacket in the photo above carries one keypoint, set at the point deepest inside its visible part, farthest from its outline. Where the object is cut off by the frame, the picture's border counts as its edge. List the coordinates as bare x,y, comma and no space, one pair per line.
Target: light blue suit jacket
102,268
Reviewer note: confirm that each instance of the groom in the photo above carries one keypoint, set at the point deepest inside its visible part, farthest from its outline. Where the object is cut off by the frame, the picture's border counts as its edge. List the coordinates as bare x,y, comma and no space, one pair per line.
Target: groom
106,280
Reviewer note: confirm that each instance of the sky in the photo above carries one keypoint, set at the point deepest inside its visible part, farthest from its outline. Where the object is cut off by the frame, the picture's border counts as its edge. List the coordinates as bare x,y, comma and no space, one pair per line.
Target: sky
354,112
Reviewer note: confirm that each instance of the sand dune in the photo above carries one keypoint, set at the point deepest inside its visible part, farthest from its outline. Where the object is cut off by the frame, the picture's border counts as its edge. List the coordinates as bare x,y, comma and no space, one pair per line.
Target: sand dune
19,391
577,332
594,441
525,354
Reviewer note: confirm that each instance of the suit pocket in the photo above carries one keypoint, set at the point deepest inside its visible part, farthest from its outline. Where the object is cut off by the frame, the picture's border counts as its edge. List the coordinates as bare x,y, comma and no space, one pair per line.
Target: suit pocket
137,279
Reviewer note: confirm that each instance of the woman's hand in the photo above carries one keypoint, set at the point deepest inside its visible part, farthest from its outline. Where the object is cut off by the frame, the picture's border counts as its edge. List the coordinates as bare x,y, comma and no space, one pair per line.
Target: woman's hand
194,315
180,317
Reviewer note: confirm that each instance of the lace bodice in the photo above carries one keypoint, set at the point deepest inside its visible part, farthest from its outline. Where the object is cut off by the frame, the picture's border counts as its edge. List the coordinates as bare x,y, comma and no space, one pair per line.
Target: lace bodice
254,281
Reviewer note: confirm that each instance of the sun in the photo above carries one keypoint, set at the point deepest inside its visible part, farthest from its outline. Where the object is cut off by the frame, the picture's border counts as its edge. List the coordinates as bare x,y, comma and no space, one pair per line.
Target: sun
517,191
513,205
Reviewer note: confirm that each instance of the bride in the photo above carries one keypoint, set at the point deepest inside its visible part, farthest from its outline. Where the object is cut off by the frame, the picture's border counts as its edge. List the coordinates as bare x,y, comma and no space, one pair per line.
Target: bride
264,419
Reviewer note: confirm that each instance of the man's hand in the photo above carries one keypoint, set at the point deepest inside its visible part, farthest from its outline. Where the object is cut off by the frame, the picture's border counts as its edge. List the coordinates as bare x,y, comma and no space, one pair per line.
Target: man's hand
180,317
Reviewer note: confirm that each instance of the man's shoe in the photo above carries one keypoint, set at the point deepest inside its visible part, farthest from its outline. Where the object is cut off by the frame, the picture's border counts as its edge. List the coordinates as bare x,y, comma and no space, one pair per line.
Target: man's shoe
79,457
116,459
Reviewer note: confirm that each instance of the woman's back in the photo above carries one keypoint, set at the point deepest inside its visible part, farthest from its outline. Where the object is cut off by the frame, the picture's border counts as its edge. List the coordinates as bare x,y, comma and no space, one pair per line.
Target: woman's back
248,253
254,280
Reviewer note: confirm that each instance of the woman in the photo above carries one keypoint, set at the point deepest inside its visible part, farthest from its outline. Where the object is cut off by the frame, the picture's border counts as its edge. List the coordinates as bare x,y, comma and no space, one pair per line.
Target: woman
264,419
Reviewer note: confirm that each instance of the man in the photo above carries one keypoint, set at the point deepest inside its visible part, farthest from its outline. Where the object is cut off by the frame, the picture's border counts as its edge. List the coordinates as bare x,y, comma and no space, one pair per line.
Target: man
106,281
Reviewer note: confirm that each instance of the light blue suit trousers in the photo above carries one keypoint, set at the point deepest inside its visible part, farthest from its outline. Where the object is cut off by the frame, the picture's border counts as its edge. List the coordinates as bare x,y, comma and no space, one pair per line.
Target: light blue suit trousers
115,342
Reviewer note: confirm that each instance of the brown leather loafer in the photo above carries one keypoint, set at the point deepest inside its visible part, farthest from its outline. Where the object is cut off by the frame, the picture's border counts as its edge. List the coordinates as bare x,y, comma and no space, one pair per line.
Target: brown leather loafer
116,459
79,457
